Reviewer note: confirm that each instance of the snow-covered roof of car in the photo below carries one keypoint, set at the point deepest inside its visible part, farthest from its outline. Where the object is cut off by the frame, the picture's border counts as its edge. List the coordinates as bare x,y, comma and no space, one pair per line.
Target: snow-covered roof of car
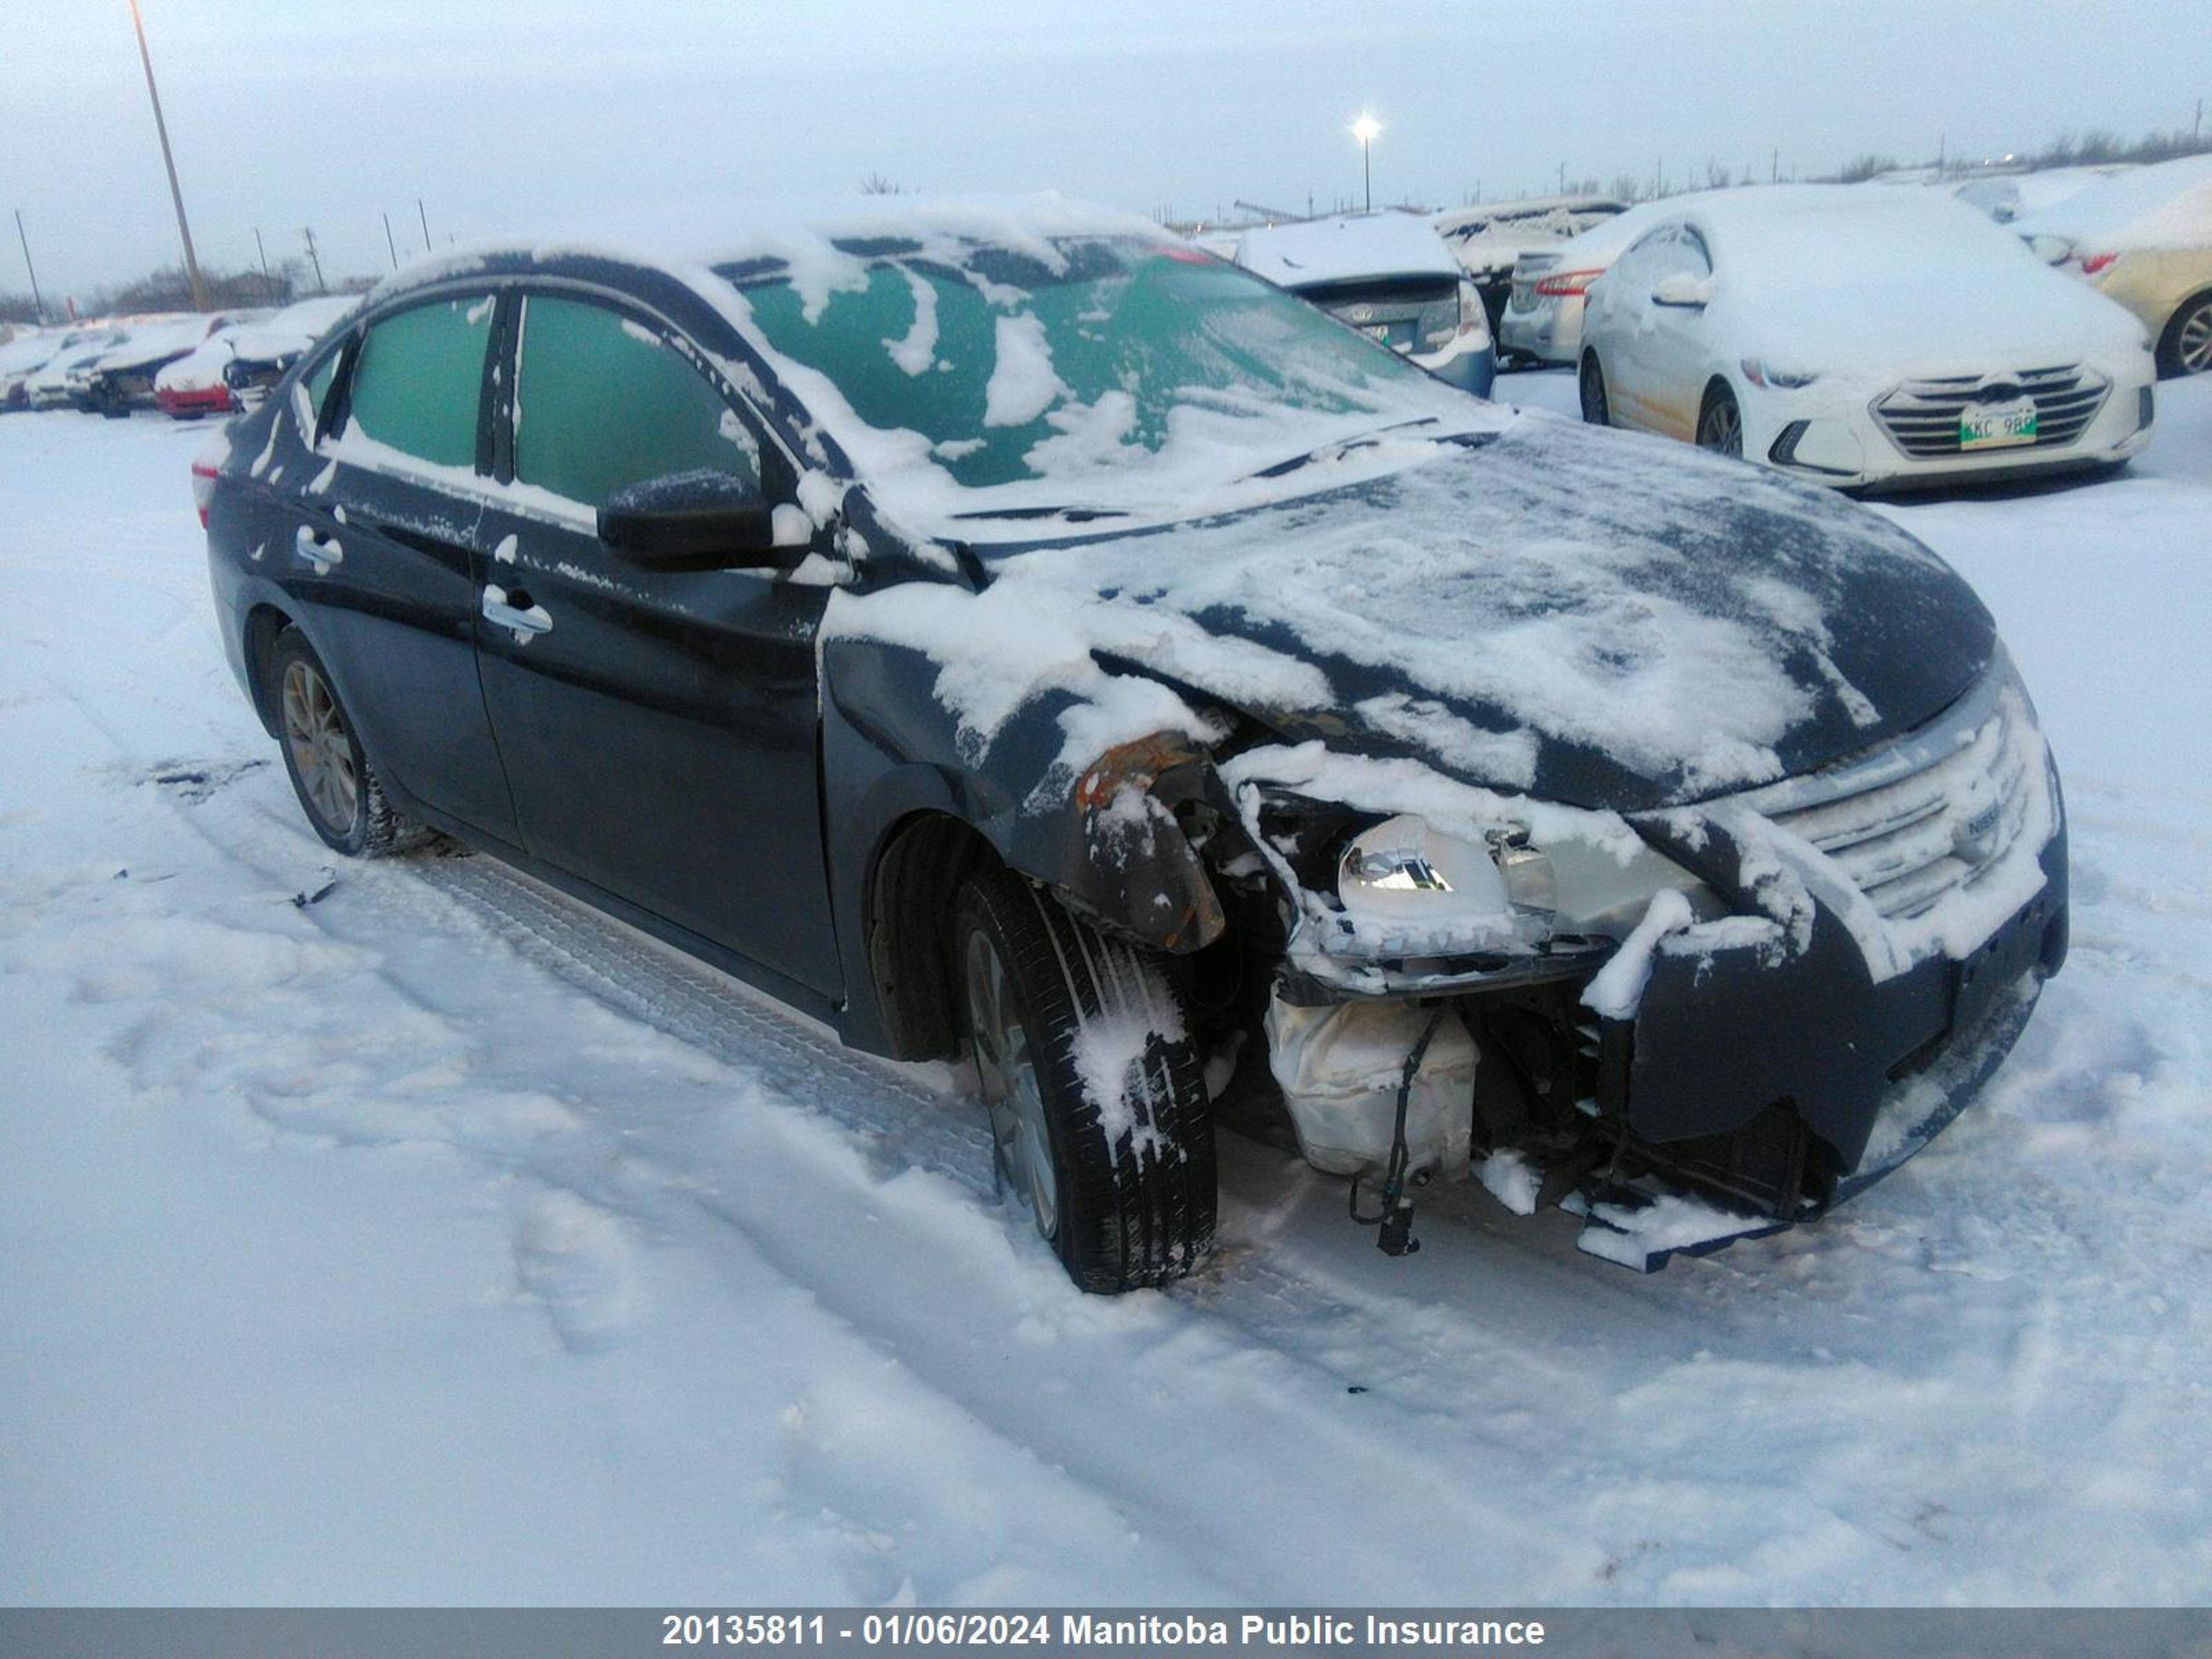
1476,221
1600,245
2006,196
2168,206
158,340
291,330
1346,248
801,232
1830,230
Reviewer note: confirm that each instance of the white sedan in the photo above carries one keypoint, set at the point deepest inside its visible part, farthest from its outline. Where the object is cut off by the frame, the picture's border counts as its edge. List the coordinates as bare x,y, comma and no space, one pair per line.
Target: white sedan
1855,337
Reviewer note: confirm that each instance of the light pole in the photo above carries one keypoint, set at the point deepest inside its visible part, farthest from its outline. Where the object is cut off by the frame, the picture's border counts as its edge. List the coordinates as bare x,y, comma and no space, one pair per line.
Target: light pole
38,300
176,195
1365,130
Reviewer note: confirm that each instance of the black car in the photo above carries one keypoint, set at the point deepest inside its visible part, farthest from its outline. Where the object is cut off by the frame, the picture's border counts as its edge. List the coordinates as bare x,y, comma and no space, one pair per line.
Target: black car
1003,630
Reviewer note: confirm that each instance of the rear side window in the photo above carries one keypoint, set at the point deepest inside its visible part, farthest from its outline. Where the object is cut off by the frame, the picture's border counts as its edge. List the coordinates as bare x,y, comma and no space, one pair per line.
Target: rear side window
419,377
602,402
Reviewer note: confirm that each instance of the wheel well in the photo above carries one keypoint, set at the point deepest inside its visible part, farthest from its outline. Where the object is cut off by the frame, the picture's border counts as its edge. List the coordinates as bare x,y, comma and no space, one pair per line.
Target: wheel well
2173,322
1719,384
910,893
263,624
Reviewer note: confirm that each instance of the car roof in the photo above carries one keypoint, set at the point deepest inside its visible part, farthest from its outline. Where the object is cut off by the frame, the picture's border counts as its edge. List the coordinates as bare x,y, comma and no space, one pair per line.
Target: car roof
1344,248
807,235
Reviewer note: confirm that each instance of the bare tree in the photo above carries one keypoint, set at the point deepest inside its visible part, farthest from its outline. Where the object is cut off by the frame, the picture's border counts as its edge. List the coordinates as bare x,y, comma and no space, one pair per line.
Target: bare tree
876,184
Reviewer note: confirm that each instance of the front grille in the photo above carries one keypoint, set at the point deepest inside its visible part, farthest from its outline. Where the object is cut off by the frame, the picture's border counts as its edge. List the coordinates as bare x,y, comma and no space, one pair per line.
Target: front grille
1907,841
1922,417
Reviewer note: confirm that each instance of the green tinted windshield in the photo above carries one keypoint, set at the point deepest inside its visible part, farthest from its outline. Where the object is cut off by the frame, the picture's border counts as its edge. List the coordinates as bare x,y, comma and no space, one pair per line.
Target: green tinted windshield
1015,368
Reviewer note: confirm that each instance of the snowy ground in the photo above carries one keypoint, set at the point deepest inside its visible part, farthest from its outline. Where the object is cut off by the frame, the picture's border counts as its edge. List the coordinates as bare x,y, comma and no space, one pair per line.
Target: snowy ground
443,1242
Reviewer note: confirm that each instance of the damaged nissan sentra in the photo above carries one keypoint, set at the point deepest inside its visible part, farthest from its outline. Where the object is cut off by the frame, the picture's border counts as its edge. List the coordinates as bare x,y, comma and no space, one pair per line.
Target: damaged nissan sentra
1002,630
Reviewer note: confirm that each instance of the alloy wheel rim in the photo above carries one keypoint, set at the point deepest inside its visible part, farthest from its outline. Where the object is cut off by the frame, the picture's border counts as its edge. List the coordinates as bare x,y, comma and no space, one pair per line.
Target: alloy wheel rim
2195,346
1723,429
322,754
1021,1144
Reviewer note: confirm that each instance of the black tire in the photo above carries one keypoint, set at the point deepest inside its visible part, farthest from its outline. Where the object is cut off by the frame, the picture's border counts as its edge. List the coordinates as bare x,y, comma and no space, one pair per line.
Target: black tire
1138,1211
1720,422
373,827
1597,407
2186,347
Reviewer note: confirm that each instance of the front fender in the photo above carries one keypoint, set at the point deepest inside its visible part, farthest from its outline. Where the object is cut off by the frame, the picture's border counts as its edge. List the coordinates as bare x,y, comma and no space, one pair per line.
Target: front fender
1107,839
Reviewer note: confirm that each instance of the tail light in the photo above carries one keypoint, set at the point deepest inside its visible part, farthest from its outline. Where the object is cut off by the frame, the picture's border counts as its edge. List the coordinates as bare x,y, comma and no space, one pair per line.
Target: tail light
2097,262
1564,284
202,488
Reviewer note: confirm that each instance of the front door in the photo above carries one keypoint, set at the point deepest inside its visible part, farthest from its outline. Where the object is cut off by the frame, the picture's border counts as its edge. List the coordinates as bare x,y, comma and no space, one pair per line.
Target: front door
659,728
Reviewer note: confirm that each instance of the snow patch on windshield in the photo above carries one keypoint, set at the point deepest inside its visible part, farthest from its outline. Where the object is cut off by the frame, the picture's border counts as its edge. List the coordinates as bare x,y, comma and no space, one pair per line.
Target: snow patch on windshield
917,351
1022,386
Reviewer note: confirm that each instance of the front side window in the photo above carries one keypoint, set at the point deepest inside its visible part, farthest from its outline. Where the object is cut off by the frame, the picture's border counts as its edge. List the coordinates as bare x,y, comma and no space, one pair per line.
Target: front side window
419,377
602,402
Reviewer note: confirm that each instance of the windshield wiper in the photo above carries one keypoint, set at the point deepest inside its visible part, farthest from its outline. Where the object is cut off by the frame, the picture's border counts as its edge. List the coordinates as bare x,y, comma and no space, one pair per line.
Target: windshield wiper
1341,446
1073,515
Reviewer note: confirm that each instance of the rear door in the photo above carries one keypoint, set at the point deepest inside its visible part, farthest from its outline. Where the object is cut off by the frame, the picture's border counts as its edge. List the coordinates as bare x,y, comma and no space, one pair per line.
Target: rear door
384,547
658,727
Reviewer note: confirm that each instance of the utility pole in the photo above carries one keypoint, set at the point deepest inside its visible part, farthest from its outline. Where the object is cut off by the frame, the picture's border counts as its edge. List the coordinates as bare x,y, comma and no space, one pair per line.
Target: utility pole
176,195
391,245
426,223
308,236
1563,177
1774,169
2196,130
268,283
38,301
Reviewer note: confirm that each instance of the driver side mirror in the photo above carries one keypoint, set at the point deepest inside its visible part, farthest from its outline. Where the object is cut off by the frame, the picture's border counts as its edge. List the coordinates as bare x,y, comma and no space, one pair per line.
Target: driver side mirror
1683,292
699,521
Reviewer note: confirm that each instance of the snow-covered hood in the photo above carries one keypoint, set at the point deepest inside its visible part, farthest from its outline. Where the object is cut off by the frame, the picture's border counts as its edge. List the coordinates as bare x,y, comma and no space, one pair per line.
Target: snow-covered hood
1922,322
1590,617
199,369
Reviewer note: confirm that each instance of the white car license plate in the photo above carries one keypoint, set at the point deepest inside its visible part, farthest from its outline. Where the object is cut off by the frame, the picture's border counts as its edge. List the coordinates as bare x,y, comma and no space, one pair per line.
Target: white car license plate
1997,426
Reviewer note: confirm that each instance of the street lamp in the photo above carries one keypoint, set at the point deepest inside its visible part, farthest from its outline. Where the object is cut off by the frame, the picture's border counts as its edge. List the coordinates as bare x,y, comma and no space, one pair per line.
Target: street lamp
1365,130
176,196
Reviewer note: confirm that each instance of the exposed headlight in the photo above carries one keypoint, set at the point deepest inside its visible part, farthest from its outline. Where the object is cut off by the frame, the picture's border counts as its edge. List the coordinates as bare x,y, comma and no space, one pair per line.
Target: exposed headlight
1759,371
1402,887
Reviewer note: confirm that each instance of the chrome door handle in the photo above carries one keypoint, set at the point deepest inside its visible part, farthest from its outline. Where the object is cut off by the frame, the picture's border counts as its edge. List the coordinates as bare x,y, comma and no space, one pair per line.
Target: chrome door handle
515,612
321,552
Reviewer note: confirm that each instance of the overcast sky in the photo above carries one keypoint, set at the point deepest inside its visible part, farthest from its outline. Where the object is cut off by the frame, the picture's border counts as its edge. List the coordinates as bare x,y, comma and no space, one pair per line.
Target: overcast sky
503,113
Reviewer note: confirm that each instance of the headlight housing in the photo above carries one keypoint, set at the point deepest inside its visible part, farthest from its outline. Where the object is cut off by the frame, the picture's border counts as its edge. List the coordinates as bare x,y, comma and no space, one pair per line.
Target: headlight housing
1373,887
1778,377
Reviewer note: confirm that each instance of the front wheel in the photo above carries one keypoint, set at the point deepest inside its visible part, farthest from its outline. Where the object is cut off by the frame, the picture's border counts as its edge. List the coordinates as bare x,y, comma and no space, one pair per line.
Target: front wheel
1595,408
1720,424
1095,1092
2185,348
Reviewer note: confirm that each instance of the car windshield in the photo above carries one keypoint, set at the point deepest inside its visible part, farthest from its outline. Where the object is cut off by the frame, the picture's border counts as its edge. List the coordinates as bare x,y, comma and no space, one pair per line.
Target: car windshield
1075,367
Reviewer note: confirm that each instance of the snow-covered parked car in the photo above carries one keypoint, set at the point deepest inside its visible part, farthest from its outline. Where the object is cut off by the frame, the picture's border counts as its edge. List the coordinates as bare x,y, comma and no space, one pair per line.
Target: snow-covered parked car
1003,629
192,385
1389,275
23,357
1862,336
1543,318
61,380
1489,239
2143,239
260,352
122,380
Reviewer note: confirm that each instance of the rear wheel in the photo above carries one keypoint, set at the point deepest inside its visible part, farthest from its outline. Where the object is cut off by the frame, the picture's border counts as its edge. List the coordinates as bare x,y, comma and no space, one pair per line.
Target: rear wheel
1595,408
1096,1093
1720,422
2185,348
338,788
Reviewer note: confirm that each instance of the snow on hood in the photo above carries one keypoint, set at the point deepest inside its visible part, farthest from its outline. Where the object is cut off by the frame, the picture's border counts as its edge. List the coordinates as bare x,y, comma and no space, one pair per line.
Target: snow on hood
1346,248
1587,617
2168,206
2005,197
1878,285
199,369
